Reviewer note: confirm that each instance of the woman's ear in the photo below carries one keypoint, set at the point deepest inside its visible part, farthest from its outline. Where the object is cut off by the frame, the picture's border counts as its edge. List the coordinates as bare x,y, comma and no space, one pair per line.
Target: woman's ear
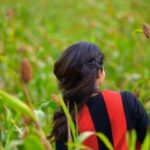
101,76
100,73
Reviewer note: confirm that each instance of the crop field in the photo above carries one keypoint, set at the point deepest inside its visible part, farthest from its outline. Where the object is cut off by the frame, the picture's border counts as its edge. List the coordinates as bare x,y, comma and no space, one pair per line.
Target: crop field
33,34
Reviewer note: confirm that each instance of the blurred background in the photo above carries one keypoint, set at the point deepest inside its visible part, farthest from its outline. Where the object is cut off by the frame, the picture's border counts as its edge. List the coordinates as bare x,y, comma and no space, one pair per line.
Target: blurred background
39,30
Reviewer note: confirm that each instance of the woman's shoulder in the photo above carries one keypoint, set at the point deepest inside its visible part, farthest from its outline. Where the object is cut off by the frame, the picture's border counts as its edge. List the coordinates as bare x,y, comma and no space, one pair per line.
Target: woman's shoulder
129,98
134,106
128,94
122,92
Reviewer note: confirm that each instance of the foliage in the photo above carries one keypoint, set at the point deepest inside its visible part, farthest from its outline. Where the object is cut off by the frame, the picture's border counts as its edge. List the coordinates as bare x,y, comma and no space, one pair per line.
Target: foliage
39,31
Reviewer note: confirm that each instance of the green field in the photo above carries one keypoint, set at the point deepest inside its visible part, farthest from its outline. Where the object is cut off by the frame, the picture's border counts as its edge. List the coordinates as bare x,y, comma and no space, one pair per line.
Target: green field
40,30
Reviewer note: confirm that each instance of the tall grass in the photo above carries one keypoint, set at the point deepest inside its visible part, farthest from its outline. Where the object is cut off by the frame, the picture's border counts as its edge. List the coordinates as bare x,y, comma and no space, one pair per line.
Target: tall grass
39,31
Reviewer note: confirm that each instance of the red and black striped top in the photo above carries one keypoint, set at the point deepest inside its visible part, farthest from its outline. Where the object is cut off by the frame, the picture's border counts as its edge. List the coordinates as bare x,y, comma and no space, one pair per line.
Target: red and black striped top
135,117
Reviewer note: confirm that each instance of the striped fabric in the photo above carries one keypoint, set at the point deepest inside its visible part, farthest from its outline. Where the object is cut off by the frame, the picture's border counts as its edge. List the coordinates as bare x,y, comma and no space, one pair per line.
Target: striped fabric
112,114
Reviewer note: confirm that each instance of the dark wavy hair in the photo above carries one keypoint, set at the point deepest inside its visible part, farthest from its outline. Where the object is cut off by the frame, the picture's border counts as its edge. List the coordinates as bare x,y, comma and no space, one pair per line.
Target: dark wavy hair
76,71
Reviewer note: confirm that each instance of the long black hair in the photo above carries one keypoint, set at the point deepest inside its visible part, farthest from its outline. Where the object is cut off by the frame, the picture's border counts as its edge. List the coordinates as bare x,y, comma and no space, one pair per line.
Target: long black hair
76,71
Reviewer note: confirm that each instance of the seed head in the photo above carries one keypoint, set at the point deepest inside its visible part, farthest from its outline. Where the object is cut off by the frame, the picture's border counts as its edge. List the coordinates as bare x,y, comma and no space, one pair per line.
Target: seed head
26,70
10,13
22,49
146,30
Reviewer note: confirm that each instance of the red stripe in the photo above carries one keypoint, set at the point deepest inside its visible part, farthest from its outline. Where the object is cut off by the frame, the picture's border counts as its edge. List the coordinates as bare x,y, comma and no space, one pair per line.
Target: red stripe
117,119
85,123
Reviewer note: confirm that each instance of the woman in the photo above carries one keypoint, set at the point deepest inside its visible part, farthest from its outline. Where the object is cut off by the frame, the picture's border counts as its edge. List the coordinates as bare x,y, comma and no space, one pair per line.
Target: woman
80,73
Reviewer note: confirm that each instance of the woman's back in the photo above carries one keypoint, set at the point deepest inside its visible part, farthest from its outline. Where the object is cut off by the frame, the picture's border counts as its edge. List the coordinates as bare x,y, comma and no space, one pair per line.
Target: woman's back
135,117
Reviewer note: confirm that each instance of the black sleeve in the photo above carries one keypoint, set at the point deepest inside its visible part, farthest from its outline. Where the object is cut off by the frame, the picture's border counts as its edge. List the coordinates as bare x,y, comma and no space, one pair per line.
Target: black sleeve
136,115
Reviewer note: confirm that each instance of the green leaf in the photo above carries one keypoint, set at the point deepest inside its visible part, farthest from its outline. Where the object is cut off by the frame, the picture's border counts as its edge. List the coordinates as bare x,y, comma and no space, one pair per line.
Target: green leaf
146,143
41,116
45,105
77,146
33,142
14,144
101,136
52,105
16,104
105,140
132,140
83,136
71,123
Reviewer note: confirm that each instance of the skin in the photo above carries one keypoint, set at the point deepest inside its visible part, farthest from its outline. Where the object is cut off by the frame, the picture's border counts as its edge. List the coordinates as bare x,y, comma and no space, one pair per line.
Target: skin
99,80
